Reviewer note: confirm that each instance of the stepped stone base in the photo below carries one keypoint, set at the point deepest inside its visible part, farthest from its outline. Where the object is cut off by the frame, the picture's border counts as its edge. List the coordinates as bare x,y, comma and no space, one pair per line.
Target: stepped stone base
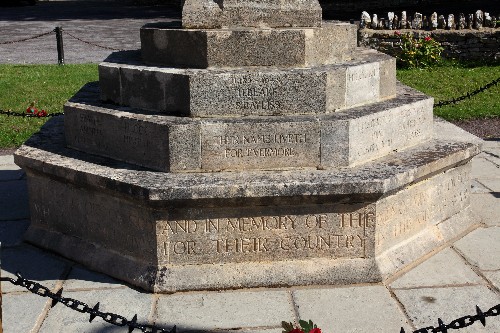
262,91
168,232
166,44
182,144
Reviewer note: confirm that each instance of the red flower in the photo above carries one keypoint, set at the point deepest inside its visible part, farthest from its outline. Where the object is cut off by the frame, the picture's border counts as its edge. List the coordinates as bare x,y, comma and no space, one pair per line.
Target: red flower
397,33
315,330
32,110
427,38
296,330
42,113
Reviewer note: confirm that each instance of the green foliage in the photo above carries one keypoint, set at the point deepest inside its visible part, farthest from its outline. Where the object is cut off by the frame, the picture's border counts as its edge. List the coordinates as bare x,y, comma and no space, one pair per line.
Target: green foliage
48,86
453,79
418,52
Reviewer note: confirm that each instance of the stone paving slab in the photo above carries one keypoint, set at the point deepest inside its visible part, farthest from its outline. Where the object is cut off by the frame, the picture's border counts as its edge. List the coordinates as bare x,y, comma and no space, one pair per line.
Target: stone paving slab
34,264
81,278
444,268
493,277
22,312
13,200
481,248
125,302
225,310
484,169
11,232
486,207
351,309
425,305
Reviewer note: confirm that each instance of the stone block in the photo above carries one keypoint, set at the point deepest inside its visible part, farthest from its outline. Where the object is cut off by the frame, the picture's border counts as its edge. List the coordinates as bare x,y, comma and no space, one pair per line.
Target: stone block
182,144
258,91
265,13
163,231
481,248
283,47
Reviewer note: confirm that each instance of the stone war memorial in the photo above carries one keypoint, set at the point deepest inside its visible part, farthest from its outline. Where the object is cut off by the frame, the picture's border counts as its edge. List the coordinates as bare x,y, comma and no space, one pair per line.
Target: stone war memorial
253,145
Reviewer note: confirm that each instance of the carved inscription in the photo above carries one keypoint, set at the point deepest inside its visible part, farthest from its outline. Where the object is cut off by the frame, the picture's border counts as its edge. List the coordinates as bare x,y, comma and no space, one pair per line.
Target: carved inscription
362,84
268,237
260,145
257,92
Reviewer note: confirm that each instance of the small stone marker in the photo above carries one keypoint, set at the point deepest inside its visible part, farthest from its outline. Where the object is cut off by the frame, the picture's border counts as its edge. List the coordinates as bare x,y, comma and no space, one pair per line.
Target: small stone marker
451,22
478,19
441,22
417,21
470,21
390,20
253,145
462,24
365,20
434,21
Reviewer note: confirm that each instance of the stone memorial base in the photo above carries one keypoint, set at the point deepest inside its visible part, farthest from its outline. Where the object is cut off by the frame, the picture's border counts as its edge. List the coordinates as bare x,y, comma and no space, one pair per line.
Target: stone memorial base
168,232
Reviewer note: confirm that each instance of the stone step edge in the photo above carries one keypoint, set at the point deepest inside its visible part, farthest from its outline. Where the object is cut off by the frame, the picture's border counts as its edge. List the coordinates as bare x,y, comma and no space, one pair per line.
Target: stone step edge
46,152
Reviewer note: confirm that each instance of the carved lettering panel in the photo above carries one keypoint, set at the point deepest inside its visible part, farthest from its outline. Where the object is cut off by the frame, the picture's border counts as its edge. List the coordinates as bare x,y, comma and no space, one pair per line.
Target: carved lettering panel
253,234
362,84
260,145
257,93
380,133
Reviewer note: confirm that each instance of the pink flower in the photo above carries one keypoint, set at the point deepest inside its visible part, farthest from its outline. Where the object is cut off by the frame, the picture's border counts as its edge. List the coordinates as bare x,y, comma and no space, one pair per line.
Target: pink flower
397,33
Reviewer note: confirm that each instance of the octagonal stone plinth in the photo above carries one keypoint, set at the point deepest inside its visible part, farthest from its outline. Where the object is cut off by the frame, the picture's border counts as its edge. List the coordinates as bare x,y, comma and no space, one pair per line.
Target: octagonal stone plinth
162,44
256,91
167,232
182,144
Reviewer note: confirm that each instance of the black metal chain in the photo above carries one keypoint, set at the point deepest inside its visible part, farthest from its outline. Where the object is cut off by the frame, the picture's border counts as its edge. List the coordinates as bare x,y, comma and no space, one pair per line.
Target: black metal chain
468,95
461,322
28,38
90,43
112,318
30,115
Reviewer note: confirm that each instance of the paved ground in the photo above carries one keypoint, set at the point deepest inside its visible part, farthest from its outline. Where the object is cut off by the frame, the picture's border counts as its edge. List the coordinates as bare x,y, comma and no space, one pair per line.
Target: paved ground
448,284
105,23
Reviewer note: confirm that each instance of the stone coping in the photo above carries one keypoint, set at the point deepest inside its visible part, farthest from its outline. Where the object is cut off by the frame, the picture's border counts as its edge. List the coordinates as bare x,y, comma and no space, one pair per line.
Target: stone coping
46,152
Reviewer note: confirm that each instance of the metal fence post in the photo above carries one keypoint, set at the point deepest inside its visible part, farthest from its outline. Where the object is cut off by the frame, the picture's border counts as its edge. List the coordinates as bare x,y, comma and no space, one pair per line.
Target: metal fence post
60,47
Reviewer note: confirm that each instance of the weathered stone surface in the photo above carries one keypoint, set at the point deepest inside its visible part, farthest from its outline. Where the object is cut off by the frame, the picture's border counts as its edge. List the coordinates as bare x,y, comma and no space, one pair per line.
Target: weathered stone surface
181,144
375,22
283,47
417,21
255,91
476,249
404,20
462,24
138,225
235,13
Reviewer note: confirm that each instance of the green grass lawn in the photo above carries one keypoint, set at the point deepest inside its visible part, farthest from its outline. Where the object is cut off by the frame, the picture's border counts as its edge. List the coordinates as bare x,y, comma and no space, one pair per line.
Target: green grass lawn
50,86
453,80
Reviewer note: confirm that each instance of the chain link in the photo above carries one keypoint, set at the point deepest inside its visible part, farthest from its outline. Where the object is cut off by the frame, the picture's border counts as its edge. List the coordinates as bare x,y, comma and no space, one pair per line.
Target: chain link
82,307
90,43
461,322
468,95
30,115
28,38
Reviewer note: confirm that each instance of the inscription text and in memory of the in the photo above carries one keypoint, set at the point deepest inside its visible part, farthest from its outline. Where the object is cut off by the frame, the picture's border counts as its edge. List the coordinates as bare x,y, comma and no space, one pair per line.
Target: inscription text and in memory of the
268,237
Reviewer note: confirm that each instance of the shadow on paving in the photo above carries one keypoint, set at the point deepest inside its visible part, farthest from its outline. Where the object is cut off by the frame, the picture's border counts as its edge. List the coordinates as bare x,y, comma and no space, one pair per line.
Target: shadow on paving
85,10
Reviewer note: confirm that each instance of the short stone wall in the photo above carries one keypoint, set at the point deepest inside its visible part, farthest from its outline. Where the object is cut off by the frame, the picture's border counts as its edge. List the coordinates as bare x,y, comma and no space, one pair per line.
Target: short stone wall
458,44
